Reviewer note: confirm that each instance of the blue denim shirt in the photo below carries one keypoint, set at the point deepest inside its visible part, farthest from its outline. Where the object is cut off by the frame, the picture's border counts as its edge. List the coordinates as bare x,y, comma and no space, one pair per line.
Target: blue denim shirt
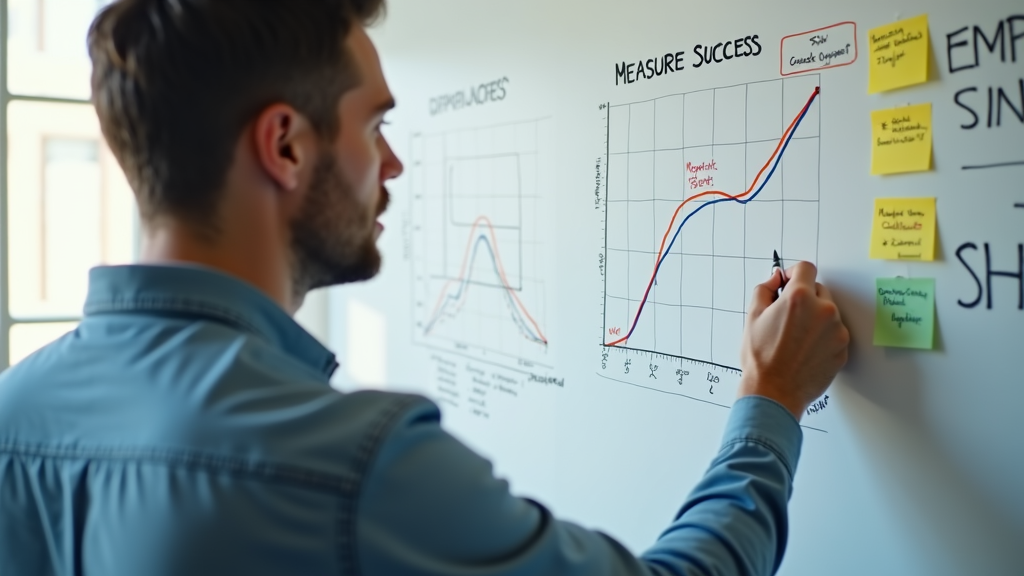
187,427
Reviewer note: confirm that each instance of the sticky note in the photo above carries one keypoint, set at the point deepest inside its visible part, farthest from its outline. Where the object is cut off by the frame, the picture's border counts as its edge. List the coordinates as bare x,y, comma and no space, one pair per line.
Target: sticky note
903,229
905,313
901,139
898,54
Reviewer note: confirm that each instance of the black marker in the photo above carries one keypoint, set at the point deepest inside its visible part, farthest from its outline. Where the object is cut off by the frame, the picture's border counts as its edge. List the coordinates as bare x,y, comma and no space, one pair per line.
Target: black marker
777,265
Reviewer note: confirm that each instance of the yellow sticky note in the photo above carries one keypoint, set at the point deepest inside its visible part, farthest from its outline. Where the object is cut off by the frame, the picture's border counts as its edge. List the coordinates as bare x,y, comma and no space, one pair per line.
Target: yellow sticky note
901,139
903,229
899,54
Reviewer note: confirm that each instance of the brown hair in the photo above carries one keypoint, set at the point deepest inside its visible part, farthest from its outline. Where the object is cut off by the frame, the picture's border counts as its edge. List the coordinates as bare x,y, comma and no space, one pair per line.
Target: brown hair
176,81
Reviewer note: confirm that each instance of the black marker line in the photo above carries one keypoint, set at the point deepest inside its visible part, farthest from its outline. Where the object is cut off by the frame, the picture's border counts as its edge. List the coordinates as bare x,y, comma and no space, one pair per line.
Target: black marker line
997,165
1019,205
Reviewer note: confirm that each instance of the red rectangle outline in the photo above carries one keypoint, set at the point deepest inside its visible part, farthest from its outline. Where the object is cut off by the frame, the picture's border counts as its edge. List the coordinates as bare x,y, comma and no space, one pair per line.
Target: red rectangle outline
856,51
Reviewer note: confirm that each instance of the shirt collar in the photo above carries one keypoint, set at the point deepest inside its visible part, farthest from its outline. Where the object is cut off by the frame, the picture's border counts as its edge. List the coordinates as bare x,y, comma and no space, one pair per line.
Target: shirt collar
203,291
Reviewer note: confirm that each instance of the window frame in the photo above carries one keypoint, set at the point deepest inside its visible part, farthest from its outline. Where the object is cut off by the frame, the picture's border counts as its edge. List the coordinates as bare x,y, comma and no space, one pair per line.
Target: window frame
6,97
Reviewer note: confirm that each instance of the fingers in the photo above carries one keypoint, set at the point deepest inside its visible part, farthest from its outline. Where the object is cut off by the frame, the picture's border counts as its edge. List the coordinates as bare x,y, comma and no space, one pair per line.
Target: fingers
765,293
802,274
823,292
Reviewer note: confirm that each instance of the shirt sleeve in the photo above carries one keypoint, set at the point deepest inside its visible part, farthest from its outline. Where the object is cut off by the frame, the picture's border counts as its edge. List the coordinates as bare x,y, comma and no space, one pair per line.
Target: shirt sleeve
430,506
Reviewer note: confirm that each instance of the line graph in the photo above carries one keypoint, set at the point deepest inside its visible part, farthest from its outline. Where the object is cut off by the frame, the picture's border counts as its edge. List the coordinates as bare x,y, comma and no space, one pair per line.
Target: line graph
773,160
700,188
519,313
477,238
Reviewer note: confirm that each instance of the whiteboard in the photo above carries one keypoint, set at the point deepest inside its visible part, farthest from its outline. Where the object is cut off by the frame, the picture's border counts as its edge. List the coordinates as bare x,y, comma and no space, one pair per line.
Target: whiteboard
538,184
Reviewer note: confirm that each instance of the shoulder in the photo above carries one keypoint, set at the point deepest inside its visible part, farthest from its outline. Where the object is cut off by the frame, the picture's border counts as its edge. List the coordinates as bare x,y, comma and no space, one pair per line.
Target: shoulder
199,393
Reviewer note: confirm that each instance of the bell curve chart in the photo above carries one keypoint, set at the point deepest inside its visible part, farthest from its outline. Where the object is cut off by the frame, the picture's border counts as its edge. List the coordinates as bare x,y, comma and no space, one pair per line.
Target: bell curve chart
700,188
479,267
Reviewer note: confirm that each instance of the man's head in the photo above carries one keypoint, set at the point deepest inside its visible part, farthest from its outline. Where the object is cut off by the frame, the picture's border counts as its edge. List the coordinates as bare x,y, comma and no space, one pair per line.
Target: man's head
200,97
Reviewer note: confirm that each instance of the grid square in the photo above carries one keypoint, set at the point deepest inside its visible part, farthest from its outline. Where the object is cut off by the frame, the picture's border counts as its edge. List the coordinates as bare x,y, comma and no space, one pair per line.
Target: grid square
641,127
668,126
618,129
699,119
698,281
730,115
800,184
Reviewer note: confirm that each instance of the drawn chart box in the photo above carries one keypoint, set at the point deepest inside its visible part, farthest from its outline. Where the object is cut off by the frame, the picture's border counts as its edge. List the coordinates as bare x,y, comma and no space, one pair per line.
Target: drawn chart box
667,329
712,142
728,280
728,331
488,185
819,49
698,119
668,122
696,340
669,175
729,229
764,112
698,281
764,229
618,129
640,177
730,115
799,183
800,231
641,127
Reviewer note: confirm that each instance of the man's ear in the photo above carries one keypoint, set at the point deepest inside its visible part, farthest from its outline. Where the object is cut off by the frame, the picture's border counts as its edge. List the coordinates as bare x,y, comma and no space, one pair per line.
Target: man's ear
283,143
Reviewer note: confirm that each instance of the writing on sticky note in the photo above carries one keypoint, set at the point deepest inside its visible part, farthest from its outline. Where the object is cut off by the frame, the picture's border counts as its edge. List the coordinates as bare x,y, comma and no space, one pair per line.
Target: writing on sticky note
901,139
905,313
903,229
899,54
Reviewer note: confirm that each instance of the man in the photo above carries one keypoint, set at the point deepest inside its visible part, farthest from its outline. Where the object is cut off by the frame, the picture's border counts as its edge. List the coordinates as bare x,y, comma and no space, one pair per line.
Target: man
187,426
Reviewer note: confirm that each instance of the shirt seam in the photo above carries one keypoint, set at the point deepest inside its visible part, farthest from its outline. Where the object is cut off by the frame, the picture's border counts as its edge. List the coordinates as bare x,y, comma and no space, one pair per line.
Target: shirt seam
328,362
287,474
177,304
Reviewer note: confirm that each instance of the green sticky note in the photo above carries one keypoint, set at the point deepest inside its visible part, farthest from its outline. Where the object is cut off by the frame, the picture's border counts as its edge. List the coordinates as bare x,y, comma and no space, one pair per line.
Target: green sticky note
905,313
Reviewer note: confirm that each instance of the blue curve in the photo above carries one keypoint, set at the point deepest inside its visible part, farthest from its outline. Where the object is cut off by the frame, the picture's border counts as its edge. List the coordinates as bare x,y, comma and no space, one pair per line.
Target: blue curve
516,317
713,202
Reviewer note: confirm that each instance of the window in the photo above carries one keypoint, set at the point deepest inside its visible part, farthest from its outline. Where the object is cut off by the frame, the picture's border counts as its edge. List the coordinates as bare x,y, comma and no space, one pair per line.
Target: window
68,206
47,54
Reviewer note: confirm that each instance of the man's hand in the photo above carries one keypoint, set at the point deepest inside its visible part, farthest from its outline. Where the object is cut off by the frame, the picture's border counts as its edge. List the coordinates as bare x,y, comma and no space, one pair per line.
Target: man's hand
794,346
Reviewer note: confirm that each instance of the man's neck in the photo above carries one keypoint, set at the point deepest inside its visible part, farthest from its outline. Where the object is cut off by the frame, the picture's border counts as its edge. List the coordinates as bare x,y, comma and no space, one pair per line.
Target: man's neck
255,258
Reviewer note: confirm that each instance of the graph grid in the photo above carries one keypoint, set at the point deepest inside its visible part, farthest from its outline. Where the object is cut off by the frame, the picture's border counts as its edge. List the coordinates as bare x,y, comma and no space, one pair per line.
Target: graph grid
701,187
478,258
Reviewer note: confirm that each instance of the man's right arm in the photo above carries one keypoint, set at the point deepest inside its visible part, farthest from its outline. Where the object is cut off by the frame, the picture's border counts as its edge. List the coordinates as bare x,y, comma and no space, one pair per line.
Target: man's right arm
430,506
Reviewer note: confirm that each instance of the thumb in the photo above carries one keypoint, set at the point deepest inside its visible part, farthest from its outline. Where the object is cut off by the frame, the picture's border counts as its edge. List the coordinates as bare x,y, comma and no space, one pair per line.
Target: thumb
765,294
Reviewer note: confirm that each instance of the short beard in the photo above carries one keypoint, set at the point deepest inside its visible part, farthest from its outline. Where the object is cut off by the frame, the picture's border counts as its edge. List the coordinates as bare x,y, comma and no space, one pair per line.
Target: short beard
333,238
